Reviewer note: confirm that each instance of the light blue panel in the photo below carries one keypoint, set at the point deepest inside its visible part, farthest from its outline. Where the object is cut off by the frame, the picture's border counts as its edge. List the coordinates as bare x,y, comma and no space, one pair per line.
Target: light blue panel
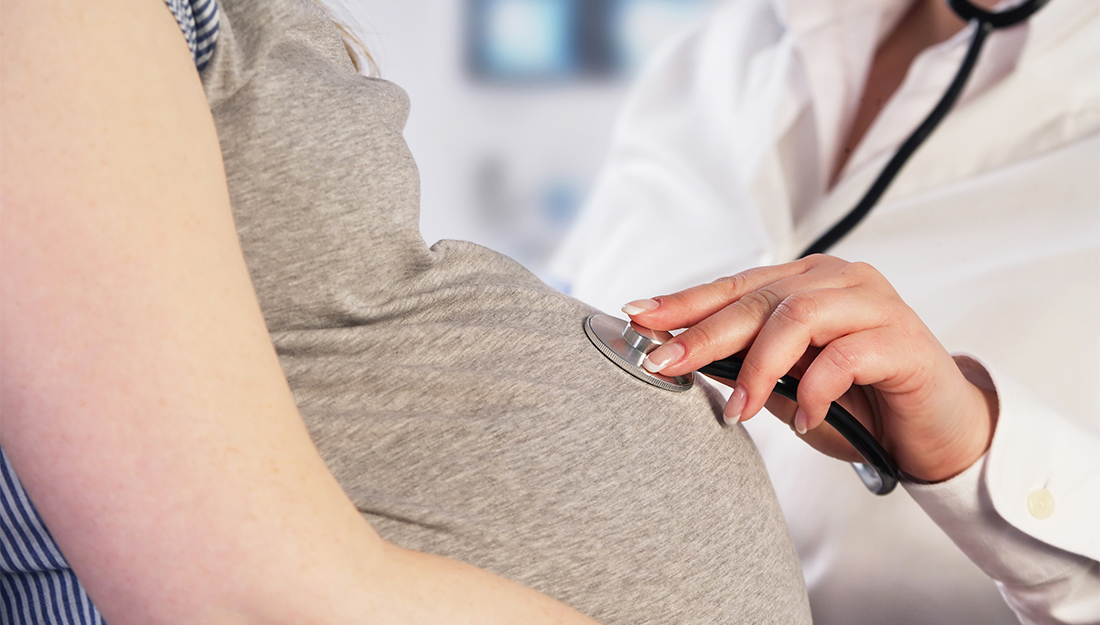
530,37
639,26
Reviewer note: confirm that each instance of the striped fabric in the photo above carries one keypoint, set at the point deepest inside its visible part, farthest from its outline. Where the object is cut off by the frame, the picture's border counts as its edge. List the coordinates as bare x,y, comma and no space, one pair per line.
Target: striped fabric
198,19
36,584
37,587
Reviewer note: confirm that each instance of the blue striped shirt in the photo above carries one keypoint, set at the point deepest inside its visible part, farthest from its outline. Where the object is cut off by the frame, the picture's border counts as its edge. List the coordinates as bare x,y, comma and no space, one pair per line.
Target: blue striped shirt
198,19
37,586
36,583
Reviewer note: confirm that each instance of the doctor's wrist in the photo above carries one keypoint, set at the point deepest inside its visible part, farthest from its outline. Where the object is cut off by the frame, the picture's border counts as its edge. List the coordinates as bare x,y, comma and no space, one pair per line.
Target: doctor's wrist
972,426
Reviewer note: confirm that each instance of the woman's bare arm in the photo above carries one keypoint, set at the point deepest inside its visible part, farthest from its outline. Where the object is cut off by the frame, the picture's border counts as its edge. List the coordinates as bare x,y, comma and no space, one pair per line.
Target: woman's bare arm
143,404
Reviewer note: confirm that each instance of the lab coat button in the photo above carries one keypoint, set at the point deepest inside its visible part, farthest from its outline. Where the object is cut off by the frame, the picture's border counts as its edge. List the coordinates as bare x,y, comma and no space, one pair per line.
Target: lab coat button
1040,503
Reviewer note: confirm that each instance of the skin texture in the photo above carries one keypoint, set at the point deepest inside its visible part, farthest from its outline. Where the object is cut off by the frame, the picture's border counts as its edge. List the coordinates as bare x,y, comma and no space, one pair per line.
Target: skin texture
143,404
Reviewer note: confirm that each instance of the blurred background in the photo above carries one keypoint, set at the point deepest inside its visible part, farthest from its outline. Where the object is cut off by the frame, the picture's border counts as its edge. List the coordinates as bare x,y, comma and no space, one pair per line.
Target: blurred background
513,103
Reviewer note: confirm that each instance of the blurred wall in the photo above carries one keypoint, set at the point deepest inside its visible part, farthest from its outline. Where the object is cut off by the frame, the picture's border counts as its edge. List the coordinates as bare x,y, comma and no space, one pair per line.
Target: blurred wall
513,103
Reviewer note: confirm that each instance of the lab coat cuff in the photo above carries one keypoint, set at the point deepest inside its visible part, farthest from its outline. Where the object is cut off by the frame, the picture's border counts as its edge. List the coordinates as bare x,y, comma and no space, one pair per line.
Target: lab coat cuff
962,508
1043,466
991,510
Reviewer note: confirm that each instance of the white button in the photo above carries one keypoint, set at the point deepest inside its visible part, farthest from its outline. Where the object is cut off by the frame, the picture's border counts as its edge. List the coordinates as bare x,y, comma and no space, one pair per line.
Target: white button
1040,503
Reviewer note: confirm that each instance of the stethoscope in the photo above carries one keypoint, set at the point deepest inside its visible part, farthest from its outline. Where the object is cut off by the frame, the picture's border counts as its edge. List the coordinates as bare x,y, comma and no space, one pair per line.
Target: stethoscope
627,344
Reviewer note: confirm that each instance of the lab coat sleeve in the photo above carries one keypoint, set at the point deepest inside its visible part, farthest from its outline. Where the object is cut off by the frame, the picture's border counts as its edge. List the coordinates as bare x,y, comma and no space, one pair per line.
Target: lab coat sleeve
1028,512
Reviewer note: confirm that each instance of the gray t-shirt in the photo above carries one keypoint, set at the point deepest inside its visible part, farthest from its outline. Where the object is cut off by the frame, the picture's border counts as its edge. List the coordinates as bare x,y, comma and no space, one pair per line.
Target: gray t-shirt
455,396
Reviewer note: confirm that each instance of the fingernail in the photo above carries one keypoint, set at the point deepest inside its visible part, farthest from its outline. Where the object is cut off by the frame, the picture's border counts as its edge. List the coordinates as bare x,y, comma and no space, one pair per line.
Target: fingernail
640,306
663,356
736,405
801,421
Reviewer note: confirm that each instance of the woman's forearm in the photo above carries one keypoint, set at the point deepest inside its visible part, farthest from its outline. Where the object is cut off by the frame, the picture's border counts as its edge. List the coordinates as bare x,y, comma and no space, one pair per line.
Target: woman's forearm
144,407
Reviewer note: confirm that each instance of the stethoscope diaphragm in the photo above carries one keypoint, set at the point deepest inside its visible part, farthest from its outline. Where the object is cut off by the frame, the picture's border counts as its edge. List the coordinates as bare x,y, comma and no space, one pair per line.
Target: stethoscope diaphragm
627,344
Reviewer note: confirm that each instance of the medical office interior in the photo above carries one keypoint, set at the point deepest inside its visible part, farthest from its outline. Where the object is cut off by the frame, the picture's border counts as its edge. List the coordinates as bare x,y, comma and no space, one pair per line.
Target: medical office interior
595,136
513,108
513,103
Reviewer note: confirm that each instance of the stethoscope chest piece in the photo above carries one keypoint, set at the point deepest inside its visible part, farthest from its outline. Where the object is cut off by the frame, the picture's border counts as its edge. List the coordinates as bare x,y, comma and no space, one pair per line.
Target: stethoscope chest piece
627,344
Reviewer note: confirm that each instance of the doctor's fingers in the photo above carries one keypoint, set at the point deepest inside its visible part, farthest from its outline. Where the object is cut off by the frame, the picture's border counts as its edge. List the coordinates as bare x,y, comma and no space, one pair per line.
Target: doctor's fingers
690,306
825,440
801,321
734,328
866,359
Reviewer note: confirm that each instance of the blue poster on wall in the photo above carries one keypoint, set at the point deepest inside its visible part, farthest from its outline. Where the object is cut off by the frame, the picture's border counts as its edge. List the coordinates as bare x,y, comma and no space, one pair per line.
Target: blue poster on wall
525,38
525,41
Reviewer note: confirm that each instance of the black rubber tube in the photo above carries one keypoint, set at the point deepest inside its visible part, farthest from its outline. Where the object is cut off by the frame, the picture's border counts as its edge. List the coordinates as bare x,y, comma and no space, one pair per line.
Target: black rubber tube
1009,17
887,175
840,419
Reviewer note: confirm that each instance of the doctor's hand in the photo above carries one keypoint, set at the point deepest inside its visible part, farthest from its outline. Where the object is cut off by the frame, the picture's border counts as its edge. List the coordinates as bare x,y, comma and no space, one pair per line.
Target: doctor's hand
843,330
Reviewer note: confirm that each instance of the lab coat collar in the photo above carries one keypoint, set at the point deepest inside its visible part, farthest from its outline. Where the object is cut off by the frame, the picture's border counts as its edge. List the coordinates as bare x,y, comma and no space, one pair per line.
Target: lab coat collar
806,16
1037,103
925,83
833,43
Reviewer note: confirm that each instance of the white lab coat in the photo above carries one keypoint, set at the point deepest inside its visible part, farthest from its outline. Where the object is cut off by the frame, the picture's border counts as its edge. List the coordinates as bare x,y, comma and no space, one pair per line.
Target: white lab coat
721,161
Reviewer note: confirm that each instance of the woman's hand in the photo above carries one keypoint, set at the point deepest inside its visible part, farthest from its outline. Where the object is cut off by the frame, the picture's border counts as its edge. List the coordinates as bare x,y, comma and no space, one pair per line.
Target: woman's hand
846,333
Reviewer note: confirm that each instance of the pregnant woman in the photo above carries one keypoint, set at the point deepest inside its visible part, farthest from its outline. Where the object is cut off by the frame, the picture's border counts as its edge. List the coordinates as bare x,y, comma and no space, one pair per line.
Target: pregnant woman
239,388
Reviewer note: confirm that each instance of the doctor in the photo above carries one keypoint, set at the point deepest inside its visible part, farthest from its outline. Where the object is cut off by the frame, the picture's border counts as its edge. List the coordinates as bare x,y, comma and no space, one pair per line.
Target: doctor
753,135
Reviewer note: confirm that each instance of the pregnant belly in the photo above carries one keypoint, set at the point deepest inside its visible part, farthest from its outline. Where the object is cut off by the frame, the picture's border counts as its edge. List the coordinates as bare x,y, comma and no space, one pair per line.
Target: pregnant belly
473,419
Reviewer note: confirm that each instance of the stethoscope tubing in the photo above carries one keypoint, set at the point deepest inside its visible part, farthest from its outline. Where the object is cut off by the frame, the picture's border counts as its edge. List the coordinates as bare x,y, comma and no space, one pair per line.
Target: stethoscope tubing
1002,19
840,419
983,22
893,167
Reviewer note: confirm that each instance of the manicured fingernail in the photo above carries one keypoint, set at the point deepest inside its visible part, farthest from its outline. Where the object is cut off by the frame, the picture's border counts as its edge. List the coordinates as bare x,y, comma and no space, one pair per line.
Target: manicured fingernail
663,356
736,405
640,306
801,421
